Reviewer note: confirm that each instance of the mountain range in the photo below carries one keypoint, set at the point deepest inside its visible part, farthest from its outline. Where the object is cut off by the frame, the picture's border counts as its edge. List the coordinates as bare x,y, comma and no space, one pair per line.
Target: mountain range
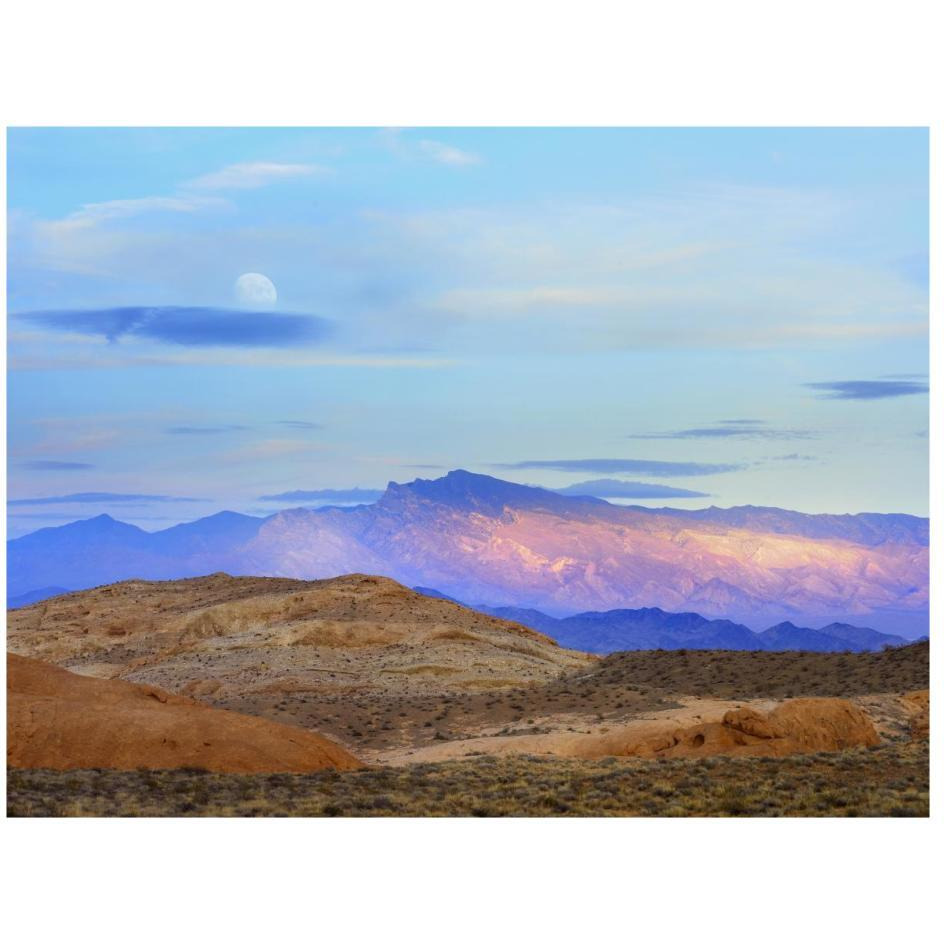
653,628
475,537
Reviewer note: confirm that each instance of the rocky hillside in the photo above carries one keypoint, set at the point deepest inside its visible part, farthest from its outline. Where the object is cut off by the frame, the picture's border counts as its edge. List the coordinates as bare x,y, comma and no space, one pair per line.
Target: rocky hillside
217,635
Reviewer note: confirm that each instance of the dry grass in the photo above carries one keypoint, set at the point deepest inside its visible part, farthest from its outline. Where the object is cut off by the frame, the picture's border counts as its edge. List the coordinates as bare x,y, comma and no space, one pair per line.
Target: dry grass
372,721
729,674
892,780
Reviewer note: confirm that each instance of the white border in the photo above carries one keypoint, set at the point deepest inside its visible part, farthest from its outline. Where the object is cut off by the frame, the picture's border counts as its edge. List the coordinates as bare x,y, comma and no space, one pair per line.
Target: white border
449,63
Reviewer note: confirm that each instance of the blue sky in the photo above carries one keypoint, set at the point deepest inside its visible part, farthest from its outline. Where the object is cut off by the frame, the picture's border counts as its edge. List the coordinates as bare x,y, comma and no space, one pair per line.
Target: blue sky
737,313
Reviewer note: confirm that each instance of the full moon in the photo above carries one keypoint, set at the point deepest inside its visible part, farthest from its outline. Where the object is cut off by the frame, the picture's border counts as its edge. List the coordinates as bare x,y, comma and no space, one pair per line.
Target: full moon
254,290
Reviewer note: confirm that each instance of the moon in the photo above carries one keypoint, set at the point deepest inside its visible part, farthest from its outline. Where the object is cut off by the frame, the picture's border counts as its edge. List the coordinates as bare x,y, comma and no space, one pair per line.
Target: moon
254,290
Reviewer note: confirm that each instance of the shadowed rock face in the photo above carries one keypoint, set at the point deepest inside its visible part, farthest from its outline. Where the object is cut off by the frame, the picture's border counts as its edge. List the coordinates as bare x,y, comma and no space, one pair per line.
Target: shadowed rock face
798,726
59,720
477,538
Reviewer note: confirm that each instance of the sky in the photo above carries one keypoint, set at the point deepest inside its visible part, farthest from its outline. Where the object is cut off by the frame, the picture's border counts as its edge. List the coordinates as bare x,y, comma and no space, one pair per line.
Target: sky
679,317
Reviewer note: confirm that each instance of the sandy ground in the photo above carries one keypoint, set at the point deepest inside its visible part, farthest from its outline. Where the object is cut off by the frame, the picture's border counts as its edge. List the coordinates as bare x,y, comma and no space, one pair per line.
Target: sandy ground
568,736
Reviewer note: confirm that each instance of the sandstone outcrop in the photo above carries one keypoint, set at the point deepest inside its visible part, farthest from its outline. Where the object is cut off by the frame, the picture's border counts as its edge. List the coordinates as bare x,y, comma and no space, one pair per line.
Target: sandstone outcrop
798,726
59,720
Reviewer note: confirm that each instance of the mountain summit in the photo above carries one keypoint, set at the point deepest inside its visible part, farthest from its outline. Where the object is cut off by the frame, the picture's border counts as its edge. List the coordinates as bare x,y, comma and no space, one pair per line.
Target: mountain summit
469,491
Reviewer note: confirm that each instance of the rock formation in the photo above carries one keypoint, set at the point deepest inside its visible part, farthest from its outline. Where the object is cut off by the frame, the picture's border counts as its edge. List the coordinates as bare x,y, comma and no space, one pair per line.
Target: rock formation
59,720
798,726
220,635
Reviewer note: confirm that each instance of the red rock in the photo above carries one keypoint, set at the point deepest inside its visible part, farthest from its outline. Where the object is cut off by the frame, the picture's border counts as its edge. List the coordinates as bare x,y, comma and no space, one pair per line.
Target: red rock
57,719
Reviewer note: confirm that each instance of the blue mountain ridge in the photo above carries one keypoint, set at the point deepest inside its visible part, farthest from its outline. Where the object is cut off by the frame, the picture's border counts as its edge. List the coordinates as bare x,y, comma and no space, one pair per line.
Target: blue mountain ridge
654,628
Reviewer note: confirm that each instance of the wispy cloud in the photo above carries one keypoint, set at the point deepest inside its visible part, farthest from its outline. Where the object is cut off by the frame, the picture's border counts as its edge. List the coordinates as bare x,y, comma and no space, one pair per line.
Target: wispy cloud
447,154
203,430
253,174
299,424
346,495
53,465
655,468
730,429
616,488
793,457
59,441
866,389
93,214
704,269
403,144
187,326
97,498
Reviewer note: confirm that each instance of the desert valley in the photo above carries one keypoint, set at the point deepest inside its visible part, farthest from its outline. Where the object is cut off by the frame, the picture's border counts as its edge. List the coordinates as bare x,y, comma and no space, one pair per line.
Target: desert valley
356,695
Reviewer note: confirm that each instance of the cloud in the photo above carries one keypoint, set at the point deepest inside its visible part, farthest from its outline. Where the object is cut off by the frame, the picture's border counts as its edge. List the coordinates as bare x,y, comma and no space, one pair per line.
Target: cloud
447,154
52,465
730,429
615,488
203,430
94,214
406,147
252,175
299,424
707,267
58,441
793,457
866,389
234,428
96,498
654,468
363,495
187,326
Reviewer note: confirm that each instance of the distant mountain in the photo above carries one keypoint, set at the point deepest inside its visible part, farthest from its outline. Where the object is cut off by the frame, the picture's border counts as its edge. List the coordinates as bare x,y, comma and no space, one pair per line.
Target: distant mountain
475,537
34,596
102,550
860,636
527,617
836,637
206,536
787,636
436,595
652,628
